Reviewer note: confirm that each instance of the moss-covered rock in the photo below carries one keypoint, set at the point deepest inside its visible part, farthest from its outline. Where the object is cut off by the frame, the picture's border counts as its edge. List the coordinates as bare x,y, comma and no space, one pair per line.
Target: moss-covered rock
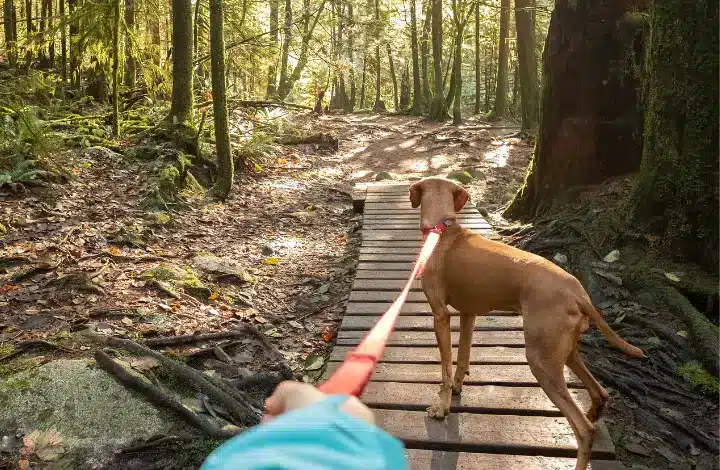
461,176
384,175
179,279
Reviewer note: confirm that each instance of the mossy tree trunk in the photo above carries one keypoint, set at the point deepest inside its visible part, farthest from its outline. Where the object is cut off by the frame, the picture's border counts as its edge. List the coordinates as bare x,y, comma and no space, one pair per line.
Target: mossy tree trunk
10,29
284,54
677,191
224,182
500,108
182,57
527,65
63,41
417,103
272,70
130,68
116,68
438,109
590,124
477,60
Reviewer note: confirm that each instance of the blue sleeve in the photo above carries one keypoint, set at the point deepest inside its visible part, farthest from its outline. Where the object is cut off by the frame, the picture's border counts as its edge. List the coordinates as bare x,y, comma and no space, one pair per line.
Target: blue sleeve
317,437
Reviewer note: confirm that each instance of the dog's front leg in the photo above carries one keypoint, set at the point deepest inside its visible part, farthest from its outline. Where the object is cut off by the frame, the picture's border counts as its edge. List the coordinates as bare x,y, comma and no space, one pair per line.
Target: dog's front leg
441,318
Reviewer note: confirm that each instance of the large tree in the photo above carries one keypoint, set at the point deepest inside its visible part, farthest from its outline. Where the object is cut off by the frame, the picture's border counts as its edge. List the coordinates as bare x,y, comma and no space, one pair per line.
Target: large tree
677,191
417,103
590,125
182,57
500,107
224,182
527,64
272,70
438,109
9,27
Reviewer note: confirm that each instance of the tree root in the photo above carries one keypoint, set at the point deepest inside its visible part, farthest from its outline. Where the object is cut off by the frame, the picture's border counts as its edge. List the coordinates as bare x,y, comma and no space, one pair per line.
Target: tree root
190,339
31,271
25,346
140,383
663,331
154,443
77,281
235,403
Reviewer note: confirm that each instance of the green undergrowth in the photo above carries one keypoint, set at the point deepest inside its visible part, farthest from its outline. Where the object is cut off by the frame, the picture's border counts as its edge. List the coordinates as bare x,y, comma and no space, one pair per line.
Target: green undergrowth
699,377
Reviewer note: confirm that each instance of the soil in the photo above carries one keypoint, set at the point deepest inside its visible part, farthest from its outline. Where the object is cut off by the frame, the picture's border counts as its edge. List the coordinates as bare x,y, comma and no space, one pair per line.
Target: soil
91,258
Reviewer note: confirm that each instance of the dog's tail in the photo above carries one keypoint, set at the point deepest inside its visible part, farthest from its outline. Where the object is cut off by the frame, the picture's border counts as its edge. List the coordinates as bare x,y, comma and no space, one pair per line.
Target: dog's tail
588,309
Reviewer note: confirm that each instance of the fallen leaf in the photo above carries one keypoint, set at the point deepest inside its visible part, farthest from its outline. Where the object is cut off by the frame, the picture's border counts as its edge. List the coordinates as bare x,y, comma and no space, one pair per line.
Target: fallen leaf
638,449
271,260
260,319
213,296
620,318
48,445
609,276
653,340
694,450
683,333
328,334
314,362
560,258
126,321
323,288
612,256
672,277
295,324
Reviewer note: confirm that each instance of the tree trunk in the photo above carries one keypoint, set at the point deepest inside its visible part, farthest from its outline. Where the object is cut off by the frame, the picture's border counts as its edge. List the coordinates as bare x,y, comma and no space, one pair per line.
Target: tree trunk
284,54
677,191
29,29
378,105
477,60
116,68
424,54
154,26
394,78
362,83
438,110
350,103
63,42
272,71
417,105
527,65
224,182
42,52
489,68
182,86
590,126
500,108
74,47
51,36
8,27
196,38
457,101
130,69
405,89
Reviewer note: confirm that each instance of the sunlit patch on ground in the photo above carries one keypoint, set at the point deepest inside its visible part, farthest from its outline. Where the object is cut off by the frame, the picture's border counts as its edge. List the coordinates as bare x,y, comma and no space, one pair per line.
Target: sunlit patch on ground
359,174
498,157
408,143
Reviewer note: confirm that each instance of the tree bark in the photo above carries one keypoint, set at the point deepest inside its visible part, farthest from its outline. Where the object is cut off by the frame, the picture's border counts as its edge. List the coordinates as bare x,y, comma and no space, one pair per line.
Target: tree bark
405,89
284,54
182,98
116,68
527,65
29,29
438,110
154,27
42,52
51,37
63,42
500,108
378,105
394,78
477,60
677,190
350,103
417,105
424,54
130,69
272,71
457,65
75,53
362,83
590,127
224,182
9,28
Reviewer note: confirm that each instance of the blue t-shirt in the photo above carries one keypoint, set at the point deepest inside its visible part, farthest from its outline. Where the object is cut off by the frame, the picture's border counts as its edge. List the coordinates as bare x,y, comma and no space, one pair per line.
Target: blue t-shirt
317,437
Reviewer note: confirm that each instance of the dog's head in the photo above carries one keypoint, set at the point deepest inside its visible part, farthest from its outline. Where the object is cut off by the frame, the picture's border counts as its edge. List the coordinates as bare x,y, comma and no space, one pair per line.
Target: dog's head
439,199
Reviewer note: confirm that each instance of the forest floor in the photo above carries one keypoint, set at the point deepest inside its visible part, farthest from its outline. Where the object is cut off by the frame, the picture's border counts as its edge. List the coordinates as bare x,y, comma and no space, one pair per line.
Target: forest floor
278,255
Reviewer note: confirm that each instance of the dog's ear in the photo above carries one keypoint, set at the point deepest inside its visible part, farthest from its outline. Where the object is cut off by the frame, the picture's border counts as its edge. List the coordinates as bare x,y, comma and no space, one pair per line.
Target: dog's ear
415,194
461,197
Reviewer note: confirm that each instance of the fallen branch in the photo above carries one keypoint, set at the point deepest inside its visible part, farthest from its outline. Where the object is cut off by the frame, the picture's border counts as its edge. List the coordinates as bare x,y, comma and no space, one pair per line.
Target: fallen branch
141,384
190,339
663,331
238,407
153,443
25,346
268,104
31,271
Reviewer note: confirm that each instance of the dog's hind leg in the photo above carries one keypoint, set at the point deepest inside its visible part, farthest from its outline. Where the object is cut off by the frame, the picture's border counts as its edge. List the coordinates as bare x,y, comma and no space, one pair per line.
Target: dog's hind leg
441,320
598,394
467,325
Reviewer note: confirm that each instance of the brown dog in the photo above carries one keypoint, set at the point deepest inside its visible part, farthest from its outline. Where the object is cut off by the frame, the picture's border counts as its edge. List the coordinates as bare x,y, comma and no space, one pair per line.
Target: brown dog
476,275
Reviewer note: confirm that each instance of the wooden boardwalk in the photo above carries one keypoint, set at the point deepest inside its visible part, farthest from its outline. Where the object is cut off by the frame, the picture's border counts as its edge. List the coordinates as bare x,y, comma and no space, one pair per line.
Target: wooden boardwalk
503,420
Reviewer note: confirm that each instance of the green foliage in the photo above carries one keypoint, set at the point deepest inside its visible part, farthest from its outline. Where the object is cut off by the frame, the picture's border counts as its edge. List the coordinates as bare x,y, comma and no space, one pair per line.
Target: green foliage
699,377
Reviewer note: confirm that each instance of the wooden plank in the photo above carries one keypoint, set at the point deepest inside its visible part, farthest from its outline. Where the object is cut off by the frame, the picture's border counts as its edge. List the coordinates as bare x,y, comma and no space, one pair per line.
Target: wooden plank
385,266
388,296
404,205
414,243
431,355
511,375
373,308
521,435
414,216
369,209
427,338
414,223
493,399
358,199
425,323
383,284
386,258
420,459
367,274
410,235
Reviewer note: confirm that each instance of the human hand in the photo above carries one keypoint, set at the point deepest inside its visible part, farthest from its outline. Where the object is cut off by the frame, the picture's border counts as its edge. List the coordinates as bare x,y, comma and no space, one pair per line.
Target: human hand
291,395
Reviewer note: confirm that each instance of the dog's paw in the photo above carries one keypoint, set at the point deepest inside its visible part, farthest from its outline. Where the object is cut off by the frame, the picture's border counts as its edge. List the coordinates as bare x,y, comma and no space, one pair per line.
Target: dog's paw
457,389
438,411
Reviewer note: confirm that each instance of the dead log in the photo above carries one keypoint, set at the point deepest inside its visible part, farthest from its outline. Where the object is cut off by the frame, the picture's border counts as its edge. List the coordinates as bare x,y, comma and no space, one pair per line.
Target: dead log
322,140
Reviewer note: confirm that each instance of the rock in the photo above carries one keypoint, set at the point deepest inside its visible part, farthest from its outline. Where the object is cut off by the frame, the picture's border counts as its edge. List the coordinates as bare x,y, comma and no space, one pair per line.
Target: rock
225,266
92,412
462,176
179,278
102,152
267,250
384,175
560,258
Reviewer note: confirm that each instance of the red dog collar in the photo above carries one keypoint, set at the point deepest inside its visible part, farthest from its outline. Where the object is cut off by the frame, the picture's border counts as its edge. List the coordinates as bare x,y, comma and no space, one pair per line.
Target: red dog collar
439,228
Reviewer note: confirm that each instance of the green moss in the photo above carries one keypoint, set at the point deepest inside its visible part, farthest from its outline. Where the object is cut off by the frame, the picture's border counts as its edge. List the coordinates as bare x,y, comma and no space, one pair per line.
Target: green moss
699,377
160,218
6,349
17,365
18,383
